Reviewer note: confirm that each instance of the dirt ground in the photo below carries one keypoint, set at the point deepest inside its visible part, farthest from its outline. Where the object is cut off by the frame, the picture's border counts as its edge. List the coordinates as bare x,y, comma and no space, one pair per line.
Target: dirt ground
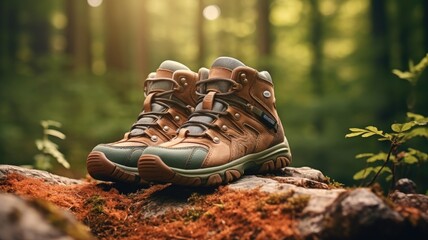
122,212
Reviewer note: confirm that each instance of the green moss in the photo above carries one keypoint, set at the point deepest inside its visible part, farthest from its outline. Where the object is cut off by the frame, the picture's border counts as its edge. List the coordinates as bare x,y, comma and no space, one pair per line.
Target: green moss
61,221
196,198
289,201
298,202
193,214
332,184
278,198
97,203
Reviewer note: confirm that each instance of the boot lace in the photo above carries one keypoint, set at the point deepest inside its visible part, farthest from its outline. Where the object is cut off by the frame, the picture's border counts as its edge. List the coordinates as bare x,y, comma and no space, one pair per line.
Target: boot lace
224,98
162,101
204,118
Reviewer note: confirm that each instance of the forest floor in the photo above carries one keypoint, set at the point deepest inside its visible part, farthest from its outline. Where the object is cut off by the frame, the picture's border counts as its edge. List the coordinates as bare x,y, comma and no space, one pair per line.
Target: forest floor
298,203
113,211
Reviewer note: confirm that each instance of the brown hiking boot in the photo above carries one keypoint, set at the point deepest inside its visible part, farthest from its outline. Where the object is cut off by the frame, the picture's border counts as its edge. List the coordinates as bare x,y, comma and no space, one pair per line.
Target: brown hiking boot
234,129
170,97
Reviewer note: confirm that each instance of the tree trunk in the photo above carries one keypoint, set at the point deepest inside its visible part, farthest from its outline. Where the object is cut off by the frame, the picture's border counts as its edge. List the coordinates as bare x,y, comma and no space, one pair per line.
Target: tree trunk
425,24
141,49
381,61
78,35
316,39
264,29
380,33
200,33
404,31
8,34
116,34
264,36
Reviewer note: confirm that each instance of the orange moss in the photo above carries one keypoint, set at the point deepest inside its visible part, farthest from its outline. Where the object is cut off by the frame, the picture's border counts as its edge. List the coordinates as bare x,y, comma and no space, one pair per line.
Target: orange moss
113,214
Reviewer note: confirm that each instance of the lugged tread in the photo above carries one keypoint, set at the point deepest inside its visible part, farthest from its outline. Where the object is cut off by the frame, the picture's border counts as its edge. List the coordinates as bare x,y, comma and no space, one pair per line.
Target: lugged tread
100,168
152,168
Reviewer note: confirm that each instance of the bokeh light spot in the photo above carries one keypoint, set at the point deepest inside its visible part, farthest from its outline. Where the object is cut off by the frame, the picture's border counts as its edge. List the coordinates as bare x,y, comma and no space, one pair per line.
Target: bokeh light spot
286,13
59,20
95,3
211,12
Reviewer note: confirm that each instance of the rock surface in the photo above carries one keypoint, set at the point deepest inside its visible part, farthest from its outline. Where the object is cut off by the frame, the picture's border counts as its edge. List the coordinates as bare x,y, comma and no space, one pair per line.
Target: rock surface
318,210
34,173
36,219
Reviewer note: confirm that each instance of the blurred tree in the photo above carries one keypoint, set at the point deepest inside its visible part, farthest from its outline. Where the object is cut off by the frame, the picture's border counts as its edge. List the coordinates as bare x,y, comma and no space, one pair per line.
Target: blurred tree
200,33
425,22
264,34
316,74
331,62
78,37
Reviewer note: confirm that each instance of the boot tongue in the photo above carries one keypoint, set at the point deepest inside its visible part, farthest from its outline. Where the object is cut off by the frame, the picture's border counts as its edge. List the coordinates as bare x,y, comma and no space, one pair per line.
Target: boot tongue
222,68
159,84
165,71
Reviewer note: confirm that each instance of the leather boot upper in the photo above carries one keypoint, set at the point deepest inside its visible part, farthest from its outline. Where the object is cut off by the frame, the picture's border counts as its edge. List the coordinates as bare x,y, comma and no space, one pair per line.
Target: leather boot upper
235,116
170,96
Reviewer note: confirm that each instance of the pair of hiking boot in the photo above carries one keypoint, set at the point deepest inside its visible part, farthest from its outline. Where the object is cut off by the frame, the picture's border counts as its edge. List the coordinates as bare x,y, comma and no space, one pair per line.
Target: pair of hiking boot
198,129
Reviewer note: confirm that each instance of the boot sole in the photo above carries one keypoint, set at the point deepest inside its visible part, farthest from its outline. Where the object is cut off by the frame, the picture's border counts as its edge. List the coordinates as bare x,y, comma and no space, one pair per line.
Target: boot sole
101,168
152,168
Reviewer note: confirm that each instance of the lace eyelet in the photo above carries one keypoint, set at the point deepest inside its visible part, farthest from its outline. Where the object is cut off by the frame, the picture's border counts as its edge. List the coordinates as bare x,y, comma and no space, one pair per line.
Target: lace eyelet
243,78
154,138
216,140
267,94
224,128
237,86
183,81
165,128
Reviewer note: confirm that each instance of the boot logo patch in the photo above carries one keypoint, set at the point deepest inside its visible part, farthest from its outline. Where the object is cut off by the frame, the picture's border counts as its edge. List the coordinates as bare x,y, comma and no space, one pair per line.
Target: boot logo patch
269,122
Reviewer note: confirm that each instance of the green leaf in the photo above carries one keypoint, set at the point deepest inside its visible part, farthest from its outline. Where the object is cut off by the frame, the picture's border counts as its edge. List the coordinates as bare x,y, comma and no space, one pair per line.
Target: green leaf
407,126
49,123
39,144
368,134
396,127
363,155
55,133
410,159
374,129
384,139
415,116
42,162
63,162
403,75
354,134
357,130
384,169
377,157
362,174
417,132
419,154
49,145
411,66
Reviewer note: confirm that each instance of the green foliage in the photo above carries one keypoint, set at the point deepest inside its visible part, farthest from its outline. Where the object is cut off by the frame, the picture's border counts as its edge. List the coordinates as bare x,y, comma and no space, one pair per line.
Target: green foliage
401,133
414,71
49,149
